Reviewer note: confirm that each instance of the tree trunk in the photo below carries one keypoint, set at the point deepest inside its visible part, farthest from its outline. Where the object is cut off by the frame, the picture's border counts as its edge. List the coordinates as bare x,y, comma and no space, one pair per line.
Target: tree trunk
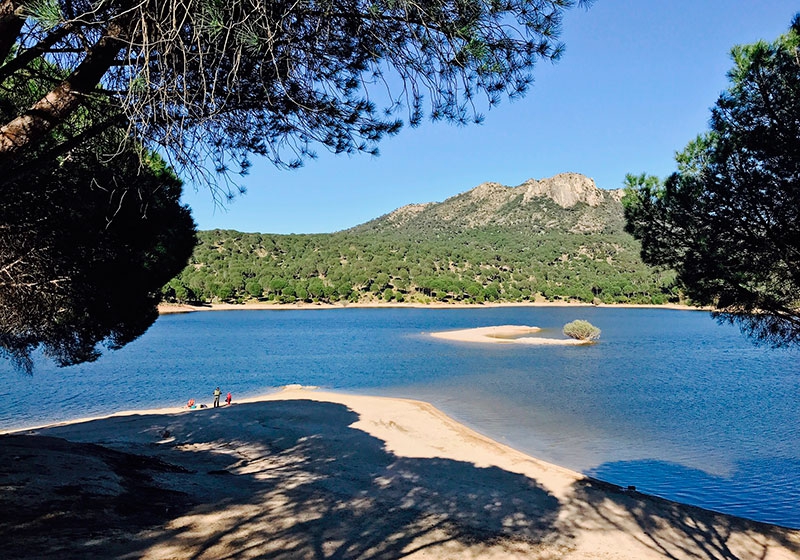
58,104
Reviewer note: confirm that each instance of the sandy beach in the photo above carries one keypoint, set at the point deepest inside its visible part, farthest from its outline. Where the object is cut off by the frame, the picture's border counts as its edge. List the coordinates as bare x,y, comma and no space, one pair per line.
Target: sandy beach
506,334
305,474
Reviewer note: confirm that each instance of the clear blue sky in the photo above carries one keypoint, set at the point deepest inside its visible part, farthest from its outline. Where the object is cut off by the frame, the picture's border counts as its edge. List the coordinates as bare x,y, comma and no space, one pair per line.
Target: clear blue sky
634,86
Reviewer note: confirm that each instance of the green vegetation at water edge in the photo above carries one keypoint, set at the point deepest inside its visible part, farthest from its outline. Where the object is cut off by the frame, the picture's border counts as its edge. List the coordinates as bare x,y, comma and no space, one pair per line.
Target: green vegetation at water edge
581,330
474,266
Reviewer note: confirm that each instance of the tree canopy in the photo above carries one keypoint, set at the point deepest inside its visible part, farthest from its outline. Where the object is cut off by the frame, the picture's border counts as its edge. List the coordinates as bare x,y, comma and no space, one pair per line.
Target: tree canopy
88,236
211,81
85,262
728,219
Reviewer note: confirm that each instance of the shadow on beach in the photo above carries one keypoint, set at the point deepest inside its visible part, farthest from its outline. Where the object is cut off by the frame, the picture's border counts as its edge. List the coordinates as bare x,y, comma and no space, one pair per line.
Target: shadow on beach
673,530
283,479
292,479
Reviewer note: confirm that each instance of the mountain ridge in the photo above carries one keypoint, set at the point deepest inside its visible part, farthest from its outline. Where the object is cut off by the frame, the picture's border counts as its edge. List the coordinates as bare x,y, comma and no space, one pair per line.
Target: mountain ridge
534,203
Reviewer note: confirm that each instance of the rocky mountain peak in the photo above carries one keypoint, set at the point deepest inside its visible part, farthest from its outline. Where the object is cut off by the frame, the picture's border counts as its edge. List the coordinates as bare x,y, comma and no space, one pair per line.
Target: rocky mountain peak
565,189
529,205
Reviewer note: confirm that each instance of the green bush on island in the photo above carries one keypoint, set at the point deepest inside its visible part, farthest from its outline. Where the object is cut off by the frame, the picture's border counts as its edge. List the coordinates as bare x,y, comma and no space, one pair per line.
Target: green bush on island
581,330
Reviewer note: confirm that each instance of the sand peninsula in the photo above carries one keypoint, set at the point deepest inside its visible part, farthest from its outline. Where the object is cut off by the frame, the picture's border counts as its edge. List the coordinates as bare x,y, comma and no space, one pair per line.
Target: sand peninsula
303,474
506,334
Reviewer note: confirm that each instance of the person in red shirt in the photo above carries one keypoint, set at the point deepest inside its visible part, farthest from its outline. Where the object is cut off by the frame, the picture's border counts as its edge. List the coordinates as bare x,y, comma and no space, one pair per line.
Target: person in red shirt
228,399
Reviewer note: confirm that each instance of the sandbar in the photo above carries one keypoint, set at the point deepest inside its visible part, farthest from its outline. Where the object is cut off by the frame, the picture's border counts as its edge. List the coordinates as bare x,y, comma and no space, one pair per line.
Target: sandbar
305,474
506,334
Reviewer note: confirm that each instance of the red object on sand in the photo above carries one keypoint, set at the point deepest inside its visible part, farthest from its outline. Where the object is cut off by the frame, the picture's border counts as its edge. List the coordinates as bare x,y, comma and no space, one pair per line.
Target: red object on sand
228,399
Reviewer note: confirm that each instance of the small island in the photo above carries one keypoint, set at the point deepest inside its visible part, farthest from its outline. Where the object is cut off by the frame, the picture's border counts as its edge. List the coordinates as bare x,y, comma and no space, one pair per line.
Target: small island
506,334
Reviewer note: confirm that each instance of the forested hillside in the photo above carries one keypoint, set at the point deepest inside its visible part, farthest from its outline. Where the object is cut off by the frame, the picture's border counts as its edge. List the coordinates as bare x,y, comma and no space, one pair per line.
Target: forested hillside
559,238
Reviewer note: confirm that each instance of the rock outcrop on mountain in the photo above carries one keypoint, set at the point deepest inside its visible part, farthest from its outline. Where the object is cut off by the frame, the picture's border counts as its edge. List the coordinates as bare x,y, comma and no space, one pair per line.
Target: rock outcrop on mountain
565,189
568,202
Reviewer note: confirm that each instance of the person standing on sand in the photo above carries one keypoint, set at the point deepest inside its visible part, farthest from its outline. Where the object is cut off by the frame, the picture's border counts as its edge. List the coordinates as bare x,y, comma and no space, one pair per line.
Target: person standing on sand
228,399
217,393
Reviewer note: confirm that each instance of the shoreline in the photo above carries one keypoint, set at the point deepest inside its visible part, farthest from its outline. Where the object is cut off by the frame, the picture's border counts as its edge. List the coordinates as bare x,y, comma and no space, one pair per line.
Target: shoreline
172,308
300,470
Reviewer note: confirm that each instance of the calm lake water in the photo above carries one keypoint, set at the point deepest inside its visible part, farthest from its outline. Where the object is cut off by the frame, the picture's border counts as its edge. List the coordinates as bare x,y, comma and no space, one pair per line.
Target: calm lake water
667,401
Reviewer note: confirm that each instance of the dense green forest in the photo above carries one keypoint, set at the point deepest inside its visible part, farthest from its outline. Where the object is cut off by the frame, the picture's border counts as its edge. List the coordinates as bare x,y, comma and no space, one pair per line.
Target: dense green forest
409,260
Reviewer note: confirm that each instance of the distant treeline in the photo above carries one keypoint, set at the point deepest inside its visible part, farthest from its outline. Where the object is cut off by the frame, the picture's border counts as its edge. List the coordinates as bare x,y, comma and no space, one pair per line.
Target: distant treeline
479,265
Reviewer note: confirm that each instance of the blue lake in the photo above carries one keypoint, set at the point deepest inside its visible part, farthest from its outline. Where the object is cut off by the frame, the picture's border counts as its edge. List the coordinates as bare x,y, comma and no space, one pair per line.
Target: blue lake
667,401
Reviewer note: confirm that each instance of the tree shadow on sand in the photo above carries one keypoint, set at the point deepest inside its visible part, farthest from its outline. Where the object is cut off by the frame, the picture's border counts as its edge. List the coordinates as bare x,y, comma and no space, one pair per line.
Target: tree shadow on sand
282,479
762,488
672,530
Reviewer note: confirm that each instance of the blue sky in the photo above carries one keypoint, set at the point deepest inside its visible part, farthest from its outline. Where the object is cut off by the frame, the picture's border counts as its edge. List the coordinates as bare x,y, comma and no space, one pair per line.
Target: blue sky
634,86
